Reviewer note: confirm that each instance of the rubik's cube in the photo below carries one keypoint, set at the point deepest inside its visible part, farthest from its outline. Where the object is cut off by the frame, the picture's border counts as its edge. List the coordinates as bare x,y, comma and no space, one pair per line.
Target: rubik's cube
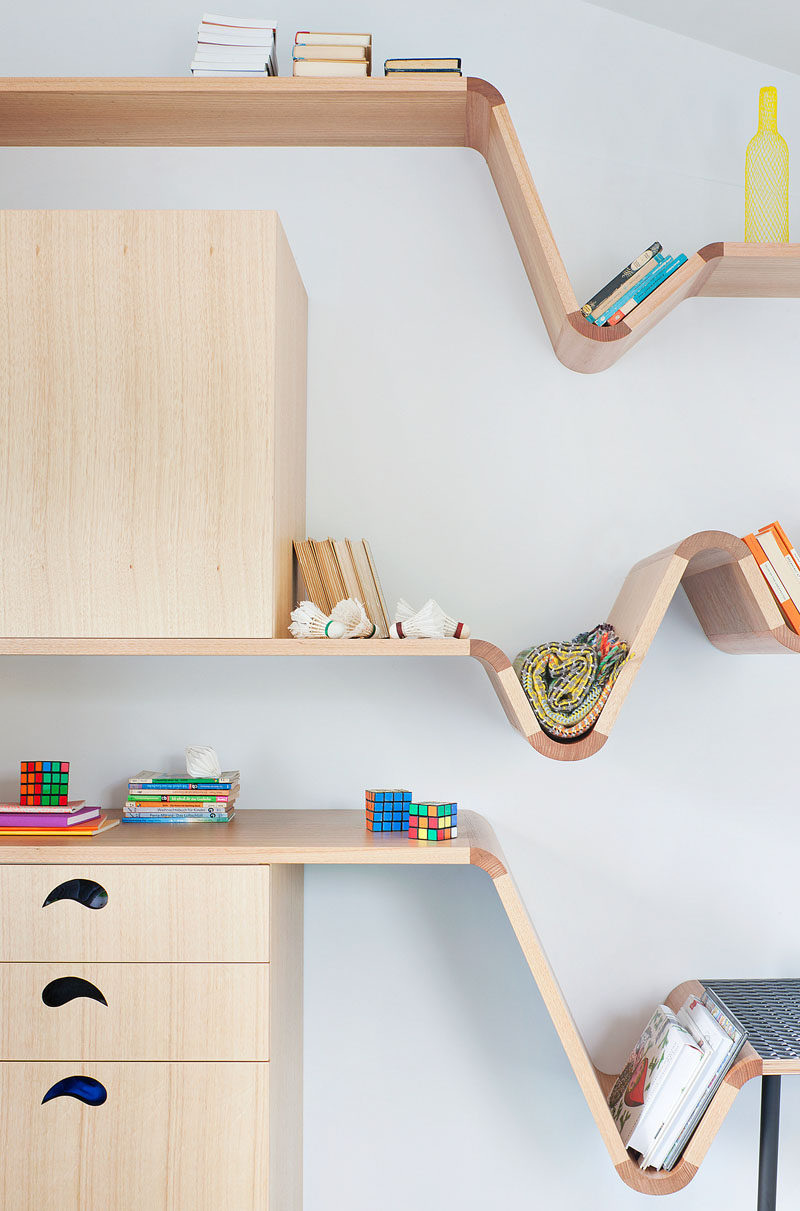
433,821
387,811
43,783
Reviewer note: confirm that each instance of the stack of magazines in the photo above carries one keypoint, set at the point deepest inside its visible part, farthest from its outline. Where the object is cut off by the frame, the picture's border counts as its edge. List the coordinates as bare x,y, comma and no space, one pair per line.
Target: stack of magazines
155,798
671,1076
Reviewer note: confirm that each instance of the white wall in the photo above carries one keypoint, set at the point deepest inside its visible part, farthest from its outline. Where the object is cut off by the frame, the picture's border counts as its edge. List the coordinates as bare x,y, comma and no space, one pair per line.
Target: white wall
519,494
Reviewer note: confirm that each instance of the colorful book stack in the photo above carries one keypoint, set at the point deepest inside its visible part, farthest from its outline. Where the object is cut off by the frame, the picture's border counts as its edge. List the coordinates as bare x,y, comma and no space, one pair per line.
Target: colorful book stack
44,807
235,46
780,566
321,54
422,67
177,799
631,286
334,569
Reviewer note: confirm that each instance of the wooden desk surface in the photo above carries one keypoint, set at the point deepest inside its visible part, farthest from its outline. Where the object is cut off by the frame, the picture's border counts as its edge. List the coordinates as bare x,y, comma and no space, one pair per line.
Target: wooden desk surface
299,837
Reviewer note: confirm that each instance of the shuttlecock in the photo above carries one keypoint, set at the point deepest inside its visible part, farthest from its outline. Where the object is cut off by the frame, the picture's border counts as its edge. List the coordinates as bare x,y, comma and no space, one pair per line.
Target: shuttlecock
353,617
309,622
202,761
427,623
405,613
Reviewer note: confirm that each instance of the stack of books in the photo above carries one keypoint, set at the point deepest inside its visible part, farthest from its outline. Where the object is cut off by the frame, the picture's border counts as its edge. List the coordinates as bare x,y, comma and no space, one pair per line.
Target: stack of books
631,286
235,46
44,807
422,67
155,798
780,567
72,819
335,569
321,54
671,1076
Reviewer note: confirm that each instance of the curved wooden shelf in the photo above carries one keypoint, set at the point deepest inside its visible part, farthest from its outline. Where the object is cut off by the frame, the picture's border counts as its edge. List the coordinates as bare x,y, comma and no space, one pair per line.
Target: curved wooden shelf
339,837
379,112
720,577
728,594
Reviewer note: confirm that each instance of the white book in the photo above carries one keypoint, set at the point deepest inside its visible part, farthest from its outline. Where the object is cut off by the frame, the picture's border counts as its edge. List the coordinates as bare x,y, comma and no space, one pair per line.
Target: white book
329,67
645,1094
248,58
783,565
716,1046
312,38
243,22
226,71
217,36
738,1035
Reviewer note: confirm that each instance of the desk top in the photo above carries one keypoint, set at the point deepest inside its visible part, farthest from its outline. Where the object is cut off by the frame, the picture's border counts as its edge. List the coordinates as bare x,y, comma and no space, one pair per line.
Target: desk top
299,837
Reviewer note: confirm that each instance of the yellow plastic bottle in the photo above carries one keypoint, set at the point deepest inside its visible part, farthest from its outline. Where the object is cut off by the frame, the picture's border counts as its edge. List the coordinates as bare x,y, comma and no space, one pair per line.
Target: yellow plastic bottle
766,177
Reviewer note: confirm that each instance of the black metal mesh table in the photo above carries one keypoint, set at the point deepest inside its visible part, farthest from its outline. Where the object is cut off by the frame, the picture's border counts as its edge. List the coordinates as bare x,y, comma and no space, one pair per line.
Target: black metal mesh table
769,1010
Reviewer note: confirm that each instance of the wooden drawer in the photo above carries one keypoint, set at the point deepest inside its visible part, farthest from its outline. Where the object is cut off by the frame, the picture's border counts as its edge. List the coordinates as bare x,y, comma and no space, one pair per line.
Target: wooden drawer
169,1137
153,1011
165,914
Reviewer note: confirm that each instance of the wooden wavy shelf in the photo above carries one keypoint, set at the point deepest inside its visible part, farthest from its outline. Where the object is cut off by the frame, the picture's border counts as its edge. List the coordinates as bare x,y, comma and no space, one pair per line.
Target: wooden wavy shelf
379,112
337,837
720,577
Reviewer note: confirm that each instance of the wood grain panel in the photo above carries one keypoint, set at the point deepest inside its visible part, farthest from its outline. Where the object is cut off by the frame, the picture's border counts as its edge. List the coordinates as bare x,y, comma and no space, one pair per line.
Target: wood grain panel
154,914
169,1137
390,112
154,1011
149,366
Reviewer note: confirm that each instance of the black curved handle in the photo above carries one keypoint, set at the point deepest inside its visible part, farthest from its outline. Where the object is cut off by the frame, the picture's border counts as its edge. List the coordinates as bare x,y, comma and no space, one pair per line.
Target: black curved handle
69,988
84,1088
85,891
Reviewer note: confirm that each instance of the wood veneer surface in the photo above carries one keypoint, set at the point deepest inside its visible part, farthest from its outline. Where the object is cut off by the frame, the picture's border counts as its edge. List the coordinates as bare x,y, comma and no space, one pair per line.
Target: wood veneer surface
385,112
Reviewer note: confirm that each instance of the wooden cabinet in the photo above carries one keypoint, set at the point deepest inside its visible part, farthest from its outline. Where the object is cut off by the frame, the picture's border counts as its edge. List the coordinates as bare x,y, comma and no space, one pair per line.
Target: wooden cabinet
153,431
157,1008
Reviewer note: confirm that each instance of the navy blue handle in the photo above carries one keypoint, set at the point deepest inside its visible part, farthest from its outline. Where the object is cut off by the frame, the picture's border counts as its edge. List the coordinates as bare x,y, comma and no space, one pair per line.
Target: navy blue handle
85,891
84,1088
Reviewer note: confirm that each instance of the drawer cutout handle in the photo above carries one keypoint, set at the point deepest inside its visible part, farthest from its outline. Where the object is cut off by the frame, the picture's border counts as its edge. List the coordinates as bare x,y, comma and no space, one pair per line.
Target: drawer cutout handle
69,988
85,1088
85,891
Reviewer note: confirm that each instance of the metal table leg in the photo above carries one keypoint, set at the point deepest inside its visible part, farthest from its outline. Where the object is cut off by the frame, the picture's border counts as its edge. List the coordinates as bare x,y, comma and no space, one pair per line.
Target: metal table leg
768,1143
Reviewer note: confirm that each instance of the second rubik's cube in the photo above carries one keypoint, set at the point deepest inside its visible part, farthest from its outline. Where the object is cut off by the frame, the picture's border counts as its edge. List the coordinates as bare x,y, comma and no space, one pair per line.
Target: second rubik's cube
387,811
433,821
43,783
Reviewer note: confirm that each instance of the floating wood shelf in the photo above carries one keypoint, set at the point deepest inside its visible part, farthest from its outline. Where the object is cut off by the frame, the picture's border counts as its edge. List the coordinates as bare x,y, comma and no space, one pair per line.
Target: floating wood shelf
720,576
336,837
380,112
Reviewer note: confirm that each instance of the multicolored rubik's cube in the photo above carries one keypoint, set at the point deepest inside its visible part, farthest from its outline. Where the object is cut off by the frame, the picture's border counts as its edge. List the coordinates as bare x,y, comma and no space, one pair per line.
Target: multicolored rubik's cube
43,783
433,821
387,811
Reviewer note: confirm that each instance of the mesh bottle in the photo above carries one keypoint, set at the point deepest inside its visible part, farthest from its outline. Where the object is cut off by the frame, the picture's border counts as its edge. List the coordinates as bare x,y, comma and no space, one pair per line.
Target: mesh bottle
766,177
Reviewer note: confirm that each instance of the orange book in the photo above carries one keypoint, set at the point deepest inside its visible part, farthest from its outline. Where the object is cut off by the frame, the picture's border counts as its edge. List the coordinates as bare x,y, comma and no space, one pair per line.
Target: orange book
77,830
788,608
782,538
